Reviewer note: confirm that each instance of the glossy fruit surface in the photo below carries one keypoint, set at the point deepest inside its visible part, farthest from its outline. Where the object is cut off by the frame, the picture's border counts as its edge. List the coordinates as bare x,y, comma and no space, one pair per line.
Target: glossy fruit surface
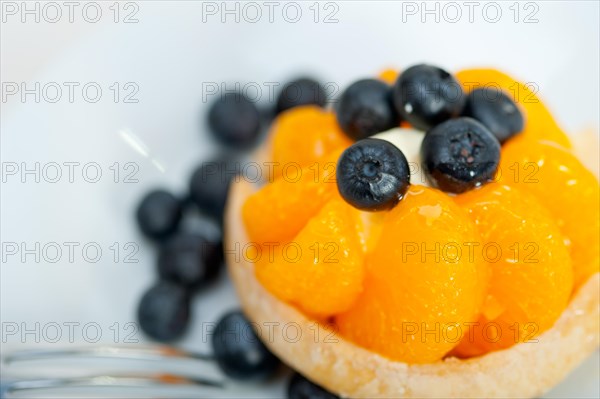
302,136
158,214
209,186
389,75
539,122
426,95
496,111
279,210
366,108
234,120
321,270
421,282
518,232
532,273
302,91
163,312
238,350
190,260
373,175
460,154
566,188
301,388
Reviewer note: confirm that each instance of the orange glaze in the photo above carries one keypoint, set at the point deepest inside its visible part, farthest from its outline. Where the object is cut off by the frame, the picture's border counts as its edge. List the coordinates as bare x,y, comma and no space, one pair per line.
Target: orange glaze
279,210
303,135
321,270
566,188
532,275
419,279
389,75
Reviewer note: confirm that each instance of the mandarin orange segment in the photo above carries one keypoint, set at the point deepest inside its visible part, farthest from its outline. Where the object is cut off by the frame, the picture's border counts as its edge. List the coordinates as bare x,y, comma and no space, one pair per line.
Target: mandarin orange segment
368,225
321,270
369,228
539,123
532,274
566,188
303,135
279,210
421,282
389,75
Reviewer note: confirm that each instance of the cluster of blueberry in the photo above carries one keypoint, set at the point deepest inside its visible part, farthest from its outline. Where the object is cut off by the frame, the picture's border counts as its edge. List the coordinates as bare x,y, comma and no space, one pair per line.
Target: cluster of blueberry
460,149
189,261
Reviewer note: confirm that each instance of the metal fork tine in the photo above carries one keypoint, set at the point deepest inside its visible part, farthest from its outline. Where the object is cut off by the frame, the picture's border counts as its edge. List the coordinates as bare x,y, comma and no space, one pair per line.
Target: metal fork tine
120,352
124,381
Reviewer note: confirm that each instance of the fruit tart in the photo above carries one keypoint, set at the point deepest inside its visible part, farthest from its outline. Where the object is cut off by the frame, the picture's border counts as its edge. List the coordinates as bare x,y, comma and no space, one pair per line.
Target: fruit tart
430,235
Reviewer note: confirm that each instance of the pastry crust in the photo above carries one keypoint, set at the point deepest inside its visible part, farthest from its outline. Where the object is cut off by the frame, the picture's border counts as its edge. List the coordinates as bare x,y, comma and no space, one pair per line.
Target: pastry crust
524,370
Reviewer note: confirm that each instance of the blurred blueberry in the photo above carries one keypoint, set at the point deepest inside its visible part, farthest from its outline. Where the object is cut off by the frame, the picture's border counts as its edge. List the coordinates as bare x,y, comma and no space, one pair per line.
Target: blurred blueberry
239,352
234,120
301,91
301,388
158,214
189,259
163,312
209,186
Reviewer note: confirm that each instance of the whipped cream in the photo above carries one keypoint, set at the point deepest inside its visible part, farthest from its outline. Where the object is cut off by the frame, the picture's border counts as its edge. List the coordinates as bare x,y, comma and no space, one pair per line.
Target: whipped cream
409,142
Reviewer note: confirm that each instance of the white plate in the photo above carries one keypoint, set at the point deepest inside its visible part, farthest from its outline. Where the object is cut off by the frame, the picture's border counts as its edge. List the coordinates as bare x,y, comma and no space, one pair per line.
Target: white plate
172,56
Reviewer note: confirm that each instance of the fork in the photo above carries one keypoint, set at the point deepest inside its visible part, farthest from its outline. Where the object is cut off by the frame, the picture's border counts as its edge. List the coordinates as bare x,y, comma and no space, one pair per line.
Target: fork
147,353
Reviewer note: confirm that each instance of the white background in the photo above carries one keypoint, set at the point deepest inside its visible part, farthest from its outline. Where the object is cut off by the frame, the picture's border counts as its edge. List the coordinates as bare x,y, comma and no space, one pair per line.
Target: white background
171,54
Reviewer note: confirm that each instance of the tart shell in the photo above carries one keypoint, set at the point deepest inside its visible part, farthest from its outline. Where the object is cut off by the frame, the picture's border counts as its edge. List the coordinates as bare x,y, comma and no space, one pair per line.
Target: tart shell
524,370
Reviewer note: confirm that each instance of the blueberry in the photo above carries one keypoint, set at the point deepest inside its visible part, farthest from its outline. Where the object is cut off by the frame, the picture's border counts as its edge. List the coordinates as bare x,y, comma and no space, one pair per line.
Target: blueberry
372,175
163,312
239,352
234,120
426,95
460,154
496,111
301,388
366,108
302,91
158,214
190,260
209,186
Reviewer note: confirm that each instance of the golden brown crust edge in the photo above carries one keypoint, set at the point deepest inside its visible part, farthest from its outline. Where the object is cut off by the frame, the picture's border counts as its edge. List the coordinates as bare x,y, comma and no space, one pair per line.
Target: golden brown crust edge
524,370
